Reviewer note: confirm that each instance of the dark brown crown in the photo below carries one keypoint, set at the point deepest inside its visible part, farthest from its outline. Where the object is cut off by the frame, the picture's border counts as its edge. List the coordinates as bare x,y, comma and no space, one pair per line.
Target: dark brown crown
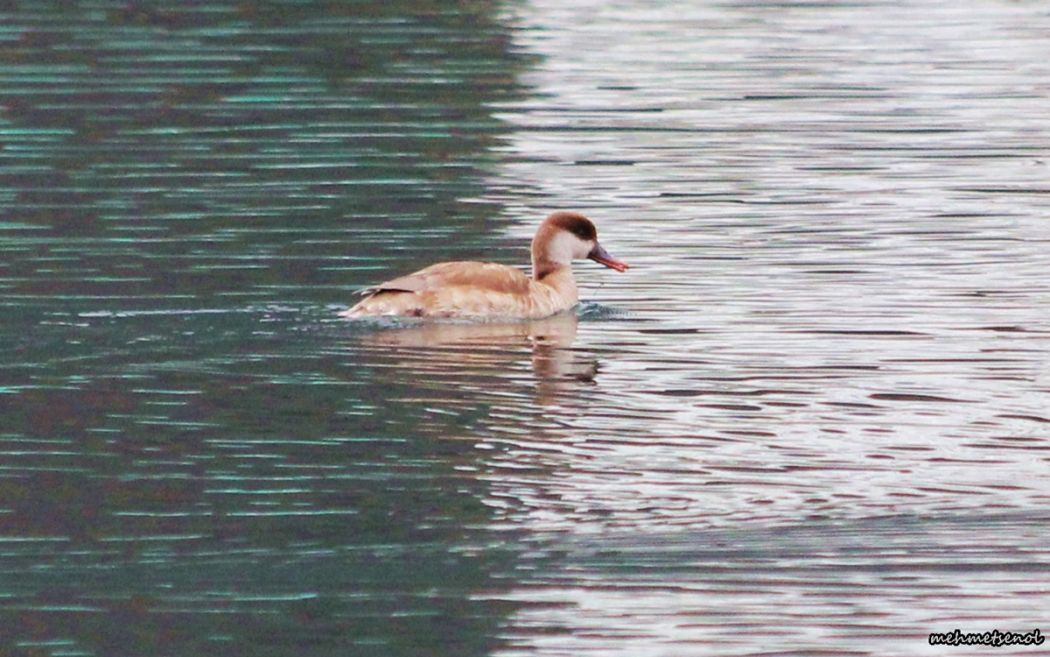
575,223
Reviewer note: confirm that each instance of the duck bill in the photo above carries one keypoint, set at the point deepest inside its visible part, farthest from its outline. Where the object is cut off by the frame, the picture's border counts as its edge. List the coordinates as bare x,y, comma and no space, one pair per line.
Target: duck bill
600,255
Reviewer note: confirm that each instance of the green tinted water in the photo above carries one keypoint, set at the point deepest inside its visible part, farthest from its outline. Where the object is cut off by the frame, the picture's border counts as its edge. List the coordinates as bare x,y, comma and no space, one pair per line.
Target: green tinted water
189,463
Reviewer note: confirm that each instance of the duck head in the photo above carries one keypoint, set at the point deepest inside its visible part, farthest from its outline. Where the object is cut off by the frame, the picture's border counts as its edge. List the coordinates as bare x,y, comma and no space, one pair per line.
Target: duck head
564,237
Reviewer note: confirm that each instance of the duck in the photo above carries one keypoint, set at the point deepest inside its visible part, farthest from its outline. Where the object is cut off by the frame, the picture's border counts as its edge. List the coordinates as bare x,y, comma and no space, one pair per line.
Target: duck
487,290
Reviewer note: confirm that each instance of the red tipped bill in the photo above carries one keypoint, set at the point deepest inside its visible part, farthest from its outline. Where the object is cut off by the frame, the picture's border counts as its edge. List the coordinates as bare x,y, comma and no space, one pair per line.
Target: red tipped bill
599,254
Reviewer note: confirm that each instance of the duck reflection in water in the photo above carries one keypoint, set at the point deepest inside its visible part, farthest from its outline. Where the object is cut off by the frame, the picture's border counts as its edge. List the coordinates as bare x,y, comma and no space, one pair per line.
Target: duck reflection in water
491,355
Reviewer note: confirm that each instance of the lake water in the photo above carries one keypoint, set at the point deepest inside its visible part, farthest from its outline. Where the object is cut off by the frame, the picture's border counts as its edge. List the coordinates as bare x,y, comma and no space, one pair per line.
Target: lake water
812,419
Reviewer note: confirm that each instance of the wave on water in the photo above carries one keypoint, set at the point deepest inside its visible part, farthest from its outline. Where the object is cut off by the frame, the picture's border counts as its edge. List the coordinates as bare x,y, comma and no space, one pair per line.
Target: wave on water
588,311
592,311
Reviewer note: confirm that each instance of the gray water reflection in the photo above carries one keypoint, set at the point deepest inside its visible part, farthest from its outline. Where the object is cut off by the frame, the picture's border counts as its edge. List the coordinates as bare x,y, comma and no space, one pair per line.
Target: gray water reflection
878,586
837,211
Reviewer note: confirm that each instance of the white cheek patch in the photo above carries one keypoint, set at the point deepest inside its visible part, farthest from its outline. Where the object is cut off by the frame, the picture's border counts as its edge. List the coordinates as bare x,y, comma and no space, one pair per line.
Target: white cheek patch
566,247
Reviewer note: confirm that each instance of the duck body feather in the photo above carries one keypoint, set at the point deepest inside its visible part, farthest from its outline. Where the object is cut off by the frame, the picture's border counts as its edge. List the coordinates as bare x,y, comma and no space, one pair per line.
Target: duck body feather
470,290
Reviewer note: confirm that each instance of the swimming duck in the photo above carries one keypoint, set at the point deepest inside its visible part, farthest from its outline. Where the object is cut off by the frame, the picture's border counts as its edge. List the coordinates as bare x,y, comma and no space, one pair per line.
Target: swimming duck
489,290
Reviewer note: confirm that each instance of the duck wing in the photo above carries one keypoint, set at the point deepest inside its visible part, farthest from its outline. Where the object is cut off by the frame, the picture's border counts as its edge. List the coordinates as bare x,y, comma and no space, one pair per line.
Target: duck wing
487,276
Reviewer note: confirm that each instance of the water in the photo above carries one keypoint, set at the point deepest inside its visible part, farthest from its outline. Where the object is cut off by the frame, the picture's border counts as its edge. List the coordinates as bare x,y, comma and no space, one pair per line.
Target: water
812,419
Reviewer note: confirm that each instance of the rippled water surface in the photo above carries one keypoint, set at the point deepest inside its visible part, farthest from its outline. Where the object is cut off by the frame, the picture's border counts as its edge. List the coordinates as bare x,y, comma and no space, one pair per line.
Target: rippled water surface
812,419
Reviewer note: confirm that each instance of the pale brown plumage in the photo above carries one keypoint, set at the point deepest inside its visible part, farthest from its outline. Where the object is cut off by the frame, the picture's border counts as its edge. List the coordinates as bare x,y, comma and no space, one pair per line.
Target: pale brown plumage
489,290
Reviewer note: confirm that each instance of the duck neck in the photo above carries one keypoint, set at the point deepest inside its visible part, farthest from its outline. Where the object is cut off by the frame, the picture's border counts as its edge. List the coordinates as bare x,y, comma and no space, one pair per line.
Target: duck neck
543,268
555,275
